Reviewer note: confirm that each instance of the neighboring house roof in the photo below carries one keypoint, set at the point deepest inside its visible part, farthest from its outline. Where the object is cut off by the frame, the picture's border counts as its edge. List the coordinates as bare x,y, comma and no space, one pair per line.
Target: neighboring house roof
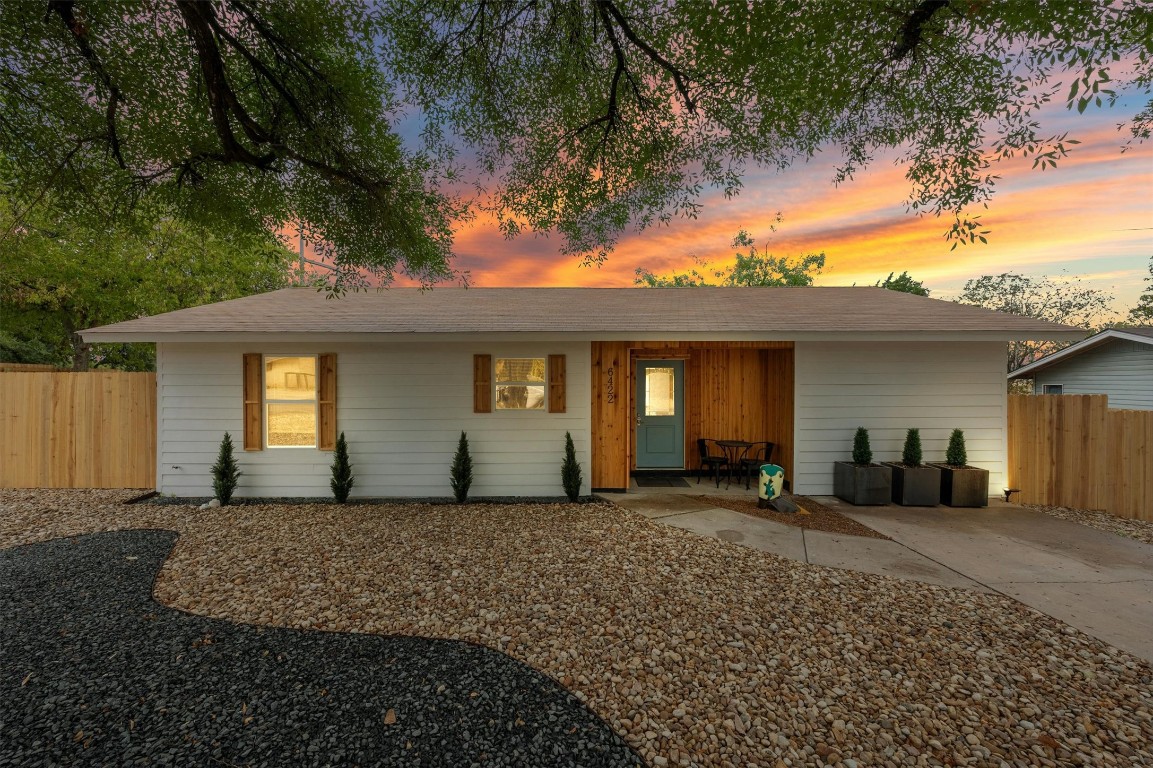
1141,335
602,313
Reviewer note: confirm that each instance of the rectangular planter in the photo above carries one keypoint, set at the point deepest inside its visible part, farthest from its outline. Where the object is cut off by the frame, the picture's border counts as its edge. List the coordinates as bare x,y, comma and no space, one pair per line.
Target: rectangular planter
964,486
862,485
916,486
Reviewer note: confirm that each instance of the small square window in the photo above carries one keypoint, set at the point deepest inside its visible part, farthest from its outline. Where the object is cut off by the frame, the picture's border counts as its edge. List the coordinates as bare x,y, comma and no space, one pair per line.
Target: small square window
290,401
520,383
1051,389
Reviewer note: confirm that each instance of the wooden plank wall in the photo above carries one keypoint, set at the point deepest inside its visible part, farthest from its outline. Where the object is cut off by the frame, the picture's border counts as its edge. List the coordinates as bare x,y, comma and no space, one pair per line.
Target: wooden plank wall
1074,451
78,430
734,390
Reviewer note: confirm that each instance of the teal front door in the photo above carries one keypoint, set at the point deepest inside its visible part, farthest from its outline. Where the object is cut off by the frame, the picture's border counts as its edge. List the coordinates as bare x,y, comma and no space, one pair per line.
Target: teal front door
660,414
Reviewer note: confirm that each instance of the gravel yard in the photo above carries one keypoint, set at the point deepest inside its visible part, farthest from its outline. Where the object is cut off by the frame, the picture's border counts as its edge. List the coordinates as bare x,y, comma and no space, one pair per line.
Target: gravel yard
1141,530
695,650
99,674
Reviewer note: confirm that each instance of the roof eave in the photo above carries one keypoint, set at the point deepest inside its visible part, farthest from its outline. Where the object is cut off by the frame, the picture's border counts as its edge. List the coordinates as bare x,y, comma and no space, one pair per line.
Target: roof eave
1083,346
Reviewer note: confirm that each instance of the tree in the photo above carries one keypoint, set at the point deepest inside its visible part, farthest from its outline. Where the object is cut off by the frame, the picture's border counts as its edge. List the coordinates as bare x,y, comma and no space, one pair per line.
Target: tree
225,472
460,476
57,279
370,124
903,283
1142,314
1040,297
570,470
342,477
753,268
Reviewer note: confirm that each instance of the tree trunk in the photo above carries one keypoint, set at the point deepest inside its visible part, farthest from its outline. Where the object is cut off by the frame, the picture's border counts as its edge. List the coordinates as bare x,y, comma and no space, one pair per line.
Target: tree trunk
81,353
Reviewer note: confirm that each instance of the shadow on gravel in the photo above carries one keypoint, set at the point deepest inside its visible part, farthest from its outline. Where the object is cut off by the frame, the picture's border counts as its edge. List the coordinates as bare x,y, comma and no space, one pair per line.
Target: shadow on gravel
93,671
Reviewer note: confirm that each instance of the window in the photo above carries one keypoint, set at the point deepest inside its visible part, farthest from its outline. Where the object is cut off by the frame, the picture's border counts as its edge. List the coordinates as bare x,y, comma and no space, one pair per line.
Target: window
290,401
1050,389
520,383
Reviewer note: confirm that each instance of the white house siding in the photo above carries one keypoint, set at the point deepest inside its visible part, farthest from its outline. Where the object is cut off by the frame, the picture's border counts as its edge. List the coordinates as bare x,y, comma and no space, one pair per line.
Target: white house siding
889,387
1121,369
401,406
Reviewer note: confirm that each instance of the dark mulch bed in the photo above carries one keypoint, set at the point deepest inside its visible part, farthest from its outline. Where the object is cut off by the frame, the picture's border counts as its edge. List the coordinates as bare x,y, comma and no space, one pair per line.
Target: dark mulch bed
94,672
820,517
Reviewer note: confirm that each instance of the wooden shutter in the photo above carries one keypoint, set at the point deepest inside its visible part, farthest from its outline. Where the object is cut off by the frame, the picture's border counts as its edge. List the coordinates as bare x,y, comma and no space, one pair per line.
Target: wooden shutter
556,384
253,402
482,383
326,401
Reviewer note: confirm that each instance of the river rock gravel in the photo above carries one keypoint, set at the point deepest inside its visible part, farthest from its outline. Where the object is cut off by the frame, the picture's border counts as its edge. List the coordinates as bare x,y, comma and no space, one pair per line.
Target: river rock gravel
696,651
1141,530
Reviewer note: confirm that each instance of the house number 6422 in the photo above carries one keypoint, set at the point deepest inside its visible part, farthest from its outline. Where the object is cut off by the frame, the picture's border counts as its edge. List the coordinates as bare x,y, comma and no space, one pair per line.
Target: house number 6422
610,387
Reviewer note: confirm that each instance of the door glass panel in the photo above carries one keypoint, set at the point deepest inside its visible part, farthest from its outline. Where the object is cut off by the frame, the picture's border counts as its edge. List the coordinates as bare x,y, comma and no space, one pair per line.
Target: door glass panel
660,394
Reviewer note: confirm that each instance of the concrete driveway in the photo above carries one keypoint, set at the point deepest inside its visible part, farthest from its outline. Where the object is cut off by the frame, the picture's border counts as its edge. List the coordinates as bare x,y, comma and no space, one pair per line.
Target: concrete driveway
1097,582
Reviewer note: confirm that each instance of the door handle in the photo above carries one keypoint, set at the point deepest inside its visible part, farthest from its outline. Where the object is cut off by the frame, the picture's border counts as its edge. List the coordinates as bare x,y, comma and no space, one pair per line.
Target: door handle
639,422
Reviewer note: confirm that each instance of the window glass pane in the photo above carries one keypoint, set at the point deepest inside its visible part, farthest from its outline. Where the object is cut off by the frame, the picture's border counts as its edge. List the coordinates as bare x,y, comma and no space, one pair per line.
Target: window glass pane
291,424
290,378
519,397
660,397
520,369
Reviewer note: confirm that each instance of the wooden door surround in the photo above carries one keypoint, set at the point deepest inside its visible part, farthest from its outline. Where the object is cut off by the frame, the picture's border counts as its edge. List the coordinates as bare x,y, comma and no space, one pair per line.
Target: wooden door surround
733,390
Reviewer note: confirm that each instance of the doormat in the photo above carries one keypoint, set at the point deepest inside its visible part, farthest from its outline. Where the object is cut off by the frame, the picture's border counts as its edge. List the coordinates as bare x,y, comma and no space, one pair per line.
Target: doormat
661,482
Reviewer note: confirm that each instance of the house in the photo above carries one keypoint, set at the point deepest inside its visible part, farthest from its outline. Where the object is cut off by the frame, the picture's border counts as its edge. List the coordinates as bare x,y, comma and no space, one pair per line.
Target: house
636,375
1117,362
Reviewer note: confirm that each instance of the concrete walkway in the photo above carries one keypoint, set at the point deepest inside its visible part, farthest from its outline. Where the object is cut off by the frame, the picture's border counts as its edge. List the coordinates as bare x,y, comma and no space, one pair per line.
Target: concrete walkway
856,553
1097,582
1100,583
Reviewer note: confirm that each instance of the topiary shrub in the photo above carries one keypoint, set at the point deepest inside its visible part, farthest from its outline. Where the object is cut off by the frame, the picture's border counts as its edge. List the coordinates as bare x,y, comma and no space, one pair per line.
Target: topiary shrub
862,453
955,455
225,472
570,470
911,456
342,479
461,470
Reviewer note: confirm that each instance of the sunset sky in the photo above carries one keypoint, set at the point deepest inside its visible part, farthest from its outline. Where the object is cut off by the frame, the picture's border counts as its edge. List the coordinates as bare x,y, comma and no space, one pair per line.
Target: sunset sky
1091,218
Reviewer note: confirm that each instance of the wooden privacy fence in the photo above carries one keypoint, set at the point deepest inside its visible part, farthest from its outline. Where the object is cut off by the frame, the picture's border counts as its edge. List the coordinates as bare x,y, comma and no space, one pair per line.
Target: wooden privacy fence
78,430
1075,451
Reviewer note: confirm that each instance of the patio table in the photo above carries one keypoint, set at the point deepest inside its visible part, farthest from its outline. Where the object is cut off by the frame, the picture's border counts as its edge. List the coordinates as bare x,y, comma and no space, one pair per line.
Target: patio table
735,450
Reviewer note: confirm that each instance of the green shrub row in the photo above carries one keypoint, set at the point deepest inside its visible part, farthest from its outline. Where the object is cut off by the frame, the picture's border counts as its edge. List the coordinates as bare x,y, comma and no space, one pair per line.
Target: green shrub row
955,455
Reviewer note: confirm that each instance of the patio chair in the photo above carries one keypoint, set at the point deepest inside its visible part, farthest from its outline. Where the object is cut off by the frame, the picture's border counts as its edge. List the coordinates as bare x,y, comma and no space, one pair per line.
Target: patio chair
710,461
760,453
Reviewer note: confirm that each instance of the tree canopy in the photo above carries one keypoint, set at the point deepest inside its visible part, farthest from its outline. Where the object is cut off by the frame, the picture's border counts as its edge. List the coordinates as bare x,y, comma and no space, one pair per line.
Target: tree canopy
380,127
1044,298
903,283
55,281
1142,312
750,268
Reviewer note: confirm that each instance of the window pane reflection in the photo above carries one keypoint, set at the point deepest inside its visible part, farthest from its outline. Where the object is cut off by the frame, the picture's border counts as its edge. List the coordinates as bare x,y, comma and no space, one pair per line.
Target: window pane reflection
519,397
290,378
660,393
290,424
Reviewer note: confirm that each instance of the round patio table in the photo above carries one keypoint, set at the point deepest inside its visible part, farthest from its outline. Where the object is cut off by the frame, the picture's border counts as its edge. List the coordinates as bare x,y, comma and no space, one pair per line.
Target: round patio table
735,450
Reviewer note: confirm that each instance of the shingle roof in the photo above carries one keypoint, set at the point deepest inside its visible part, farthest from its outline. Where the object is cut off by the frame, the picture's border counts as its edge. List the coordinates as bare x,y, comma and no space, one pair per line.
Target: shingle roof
777,312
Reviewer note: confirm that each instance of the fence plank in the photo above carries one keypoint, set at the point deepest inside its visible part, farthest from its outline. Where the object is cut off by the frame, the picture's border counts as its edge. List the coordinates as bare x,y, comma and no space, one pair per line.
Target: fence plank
1074,451
95,429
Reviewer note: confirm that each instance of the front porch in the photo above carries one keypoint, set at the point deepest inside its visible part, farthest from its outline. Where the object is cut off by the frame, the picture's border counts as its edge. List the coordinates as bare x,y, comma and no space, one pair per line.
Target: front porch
731,390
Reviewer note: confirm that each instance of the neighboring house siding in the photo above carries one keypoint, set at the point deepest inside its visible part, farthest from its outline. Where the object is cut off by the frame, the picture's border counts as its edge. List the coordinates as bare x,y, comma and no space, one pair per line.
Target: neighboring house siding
1121,369
401,406
889,387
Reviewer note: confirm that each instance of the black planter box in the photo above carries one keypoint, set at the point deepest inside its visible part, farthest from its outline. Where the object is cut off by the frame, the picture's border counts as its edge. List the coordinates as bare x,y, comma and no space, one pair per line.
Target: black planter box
964,486
862,485
916,486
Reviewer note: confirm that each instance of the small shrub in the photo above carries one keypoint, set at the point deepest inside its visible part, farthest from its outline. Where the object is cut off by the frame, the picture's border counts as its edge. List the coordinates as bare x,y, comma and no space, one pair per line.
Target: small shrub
342,479
225,472
911,456
461,470
570,471
862,453
955,455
